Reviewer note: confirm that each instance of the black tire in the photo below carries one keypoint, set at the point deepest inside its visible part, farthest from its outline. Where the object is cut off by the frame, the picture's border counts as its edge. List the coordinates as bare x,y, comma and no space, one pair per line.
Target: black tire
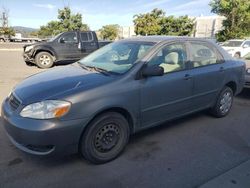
223,103
44,60
105,138
237,55
29,63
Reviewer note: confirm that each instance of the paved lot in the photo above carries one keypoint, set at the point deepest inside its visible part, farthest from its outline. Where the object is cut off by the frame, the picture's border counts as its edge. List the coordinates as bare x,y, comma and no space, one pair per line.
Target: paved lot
185,153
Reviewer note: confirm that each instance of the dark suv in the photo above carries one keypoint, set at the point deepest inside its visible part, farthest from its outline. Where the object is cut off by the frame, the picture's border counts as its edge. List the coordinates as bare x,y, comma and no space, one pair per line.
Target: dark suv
72,46
93,106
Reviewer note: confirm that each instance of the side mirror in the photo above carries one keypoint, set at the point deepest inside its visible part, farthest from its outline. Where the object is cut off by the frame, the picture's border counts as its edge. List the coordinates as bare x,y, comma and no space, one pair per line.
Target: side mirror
154,70
245,46
62,40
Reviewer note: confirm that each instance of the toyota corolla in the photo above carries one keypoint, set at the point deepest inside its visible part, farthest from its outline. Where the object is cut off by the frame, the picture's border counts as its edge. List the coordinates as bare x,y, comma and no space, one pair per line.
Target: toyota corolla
94,105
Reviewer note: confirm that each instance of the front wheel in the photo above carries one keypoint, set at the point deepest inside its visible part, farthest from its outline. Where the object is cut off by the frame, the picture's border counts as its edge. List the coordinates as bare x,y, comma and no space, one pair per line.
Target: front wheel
224,103
44,60
105,138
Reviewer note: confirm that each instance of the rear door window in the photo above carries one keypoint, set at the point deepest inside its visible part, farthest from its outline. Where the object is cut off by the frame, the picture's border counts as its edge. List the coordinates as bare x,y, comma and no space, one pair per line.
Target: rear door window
202,55
86,36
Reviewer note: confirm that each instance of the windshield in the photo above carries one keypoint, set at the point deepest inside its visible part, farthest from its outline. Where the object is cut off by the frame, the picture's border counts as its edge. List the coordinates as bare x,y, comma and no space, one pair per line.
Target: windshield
117,57
232,43
247,56
53,38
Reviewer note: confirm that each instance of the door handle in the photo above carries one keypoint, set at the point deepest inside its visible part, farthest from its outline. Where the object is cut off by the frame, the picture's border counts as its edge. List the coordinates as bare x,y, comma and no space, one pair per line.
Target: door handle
222,69
187,77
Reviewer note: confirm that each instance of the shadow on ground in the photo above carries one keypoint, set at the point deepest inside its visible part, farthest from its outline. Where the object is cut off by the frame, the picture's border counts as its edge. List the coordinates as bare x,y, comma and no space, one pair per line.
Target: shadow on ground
245,94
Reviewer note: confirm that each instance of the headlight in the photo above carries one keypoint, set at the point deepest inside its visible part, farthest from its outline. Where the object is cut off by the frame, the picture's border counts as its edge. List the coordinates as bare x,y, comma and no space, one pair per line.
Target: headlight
46,109
28,48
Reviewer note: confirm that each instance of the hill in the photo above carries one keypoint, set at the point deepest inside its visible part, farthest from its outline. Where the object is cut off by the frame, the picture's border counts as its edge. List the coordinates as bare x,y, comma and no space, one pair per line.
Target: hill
24,30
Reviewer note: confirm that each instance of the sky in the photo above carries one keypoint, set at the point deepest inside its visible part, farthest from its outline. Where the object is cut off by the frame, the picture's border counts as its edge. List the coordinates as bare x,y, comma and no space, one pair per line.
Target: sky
96,13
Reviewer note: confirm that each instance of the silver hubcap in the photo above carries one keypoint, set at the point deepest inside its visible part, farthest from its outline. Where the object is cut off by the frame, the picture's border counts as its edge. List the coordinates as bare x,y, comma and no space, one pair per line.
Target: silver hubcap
45,60
226,102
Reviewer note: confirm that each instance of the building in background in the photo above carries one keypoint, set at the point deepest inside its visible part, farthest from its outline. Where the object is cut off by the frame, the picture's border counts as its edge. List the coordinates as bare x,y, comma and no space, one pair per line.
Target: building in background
207,26
126,32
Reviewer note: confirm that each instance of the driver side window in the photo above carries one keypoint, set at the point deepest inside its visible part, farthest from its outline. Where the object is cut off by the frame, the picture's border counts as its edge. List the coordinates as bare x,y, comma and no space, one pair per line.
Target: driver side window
69,38
171,58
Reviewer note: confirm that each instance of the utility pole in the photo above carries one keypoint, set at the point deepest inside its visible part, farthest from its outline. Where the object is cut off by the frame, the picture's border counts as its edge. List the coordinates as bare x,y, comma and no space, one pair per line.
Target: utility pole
4,18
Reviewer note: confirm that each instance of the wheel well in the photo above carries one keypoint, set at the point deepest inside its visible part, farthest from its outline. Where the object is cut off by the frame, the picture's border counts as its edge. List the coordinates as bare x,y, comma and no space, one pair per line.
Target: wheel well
232,85
238,53
121,111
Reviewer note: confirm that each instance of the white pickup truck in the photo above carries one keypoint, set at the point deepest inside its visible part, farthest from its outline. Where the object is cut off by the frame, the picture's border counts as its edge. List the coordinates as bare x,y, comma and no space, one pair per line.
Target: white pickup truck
236,47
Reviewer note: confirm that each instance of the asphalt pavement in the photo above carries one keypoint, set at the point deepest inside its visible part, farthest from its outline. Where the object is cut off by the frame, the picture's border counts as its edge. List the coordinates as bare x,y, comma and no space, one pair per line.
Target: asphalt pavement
195,151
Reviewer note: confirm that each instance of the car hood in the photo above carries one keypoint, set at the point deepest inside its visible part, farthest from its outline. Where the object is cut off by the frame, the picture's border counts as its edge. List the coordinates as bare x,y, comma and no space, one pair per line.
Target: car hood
57,81
36,44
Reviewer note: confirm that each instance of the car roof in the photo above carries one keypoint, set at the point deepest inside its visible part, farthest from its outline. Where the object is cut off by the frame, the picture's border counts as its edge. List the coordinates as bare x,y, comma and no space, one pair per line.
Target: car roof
158,39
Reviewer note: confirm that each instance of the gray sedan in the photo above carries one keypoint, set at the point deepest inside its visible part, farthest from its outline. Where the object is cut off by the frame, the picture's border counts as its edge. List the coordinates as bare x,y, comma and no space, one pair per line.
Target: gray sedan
93,106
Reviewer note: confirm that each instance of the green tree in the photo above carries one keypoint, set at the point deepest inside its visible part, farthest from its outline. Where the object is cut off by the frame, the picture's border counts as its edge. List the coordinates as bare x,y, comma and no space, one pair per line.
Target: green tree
4,22
156,23
8,31
66,22
237,14
180,26
109,32
149,23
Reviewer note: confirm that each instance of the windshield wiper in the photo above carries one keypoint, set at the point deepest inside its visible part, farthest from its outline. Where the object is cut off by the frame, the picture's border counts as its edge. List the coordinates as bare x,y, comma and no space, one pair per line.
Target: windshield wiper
96,69
100,70
84,66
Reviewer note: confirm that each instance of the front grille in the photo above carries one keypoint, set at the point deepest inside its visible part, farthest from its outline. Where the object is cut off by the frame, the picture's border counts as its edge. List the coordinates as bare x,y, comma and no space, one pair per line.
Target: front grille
14,102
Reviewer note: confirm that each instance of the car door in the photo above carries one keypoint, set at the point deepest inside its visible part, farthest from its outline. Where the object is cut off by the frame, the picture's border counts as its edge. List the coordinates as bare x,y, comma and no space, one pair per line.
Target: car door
208,72
88,43
168,96
67,46
245,48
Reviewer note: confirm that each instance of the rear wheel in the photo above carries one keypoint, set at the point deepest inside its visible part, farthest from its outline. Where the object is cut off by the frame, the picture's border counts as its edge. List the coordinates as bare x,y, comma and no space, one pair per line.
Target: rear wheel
44,60
105,138
224,103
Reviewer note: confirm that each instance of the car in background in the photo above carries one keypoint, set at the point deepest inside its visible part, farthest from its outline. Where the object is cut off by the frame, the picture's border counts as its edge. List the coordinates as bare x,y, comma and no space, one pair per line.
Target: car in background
236,47
93,106
246,58
67,46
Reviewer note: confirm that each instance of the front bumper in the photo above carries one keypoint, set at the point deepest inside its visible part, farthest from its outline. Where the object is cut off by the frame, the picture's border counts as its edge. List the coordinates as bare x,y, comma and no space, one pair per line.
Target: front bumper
28,57
42,137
